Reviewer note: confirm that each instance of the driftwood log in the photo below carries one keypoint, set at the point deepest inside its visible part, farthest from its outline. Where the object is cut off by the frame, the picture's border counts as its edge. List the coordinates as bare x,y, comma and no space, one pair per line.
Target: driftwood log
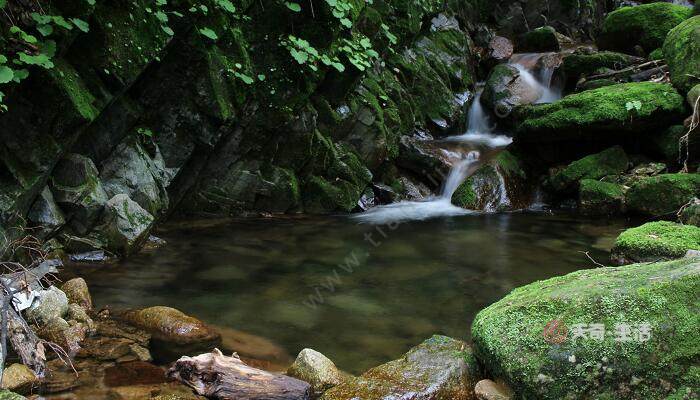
217,376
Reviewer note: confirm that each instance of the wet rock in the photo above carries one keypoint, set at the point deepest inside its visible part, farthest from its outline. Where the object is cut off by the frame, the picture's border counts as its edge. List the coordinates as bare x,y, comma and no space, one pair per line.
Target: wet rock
385,193
131,170
49,304
663,195
252,348
78,314
125,225
316,369
500,49
19,378
601,198
418,155
487,389
506,89
646,25
655,241
612,161
45,214
601,114
531,338
134,373
543,39
682,52
77,292
78,191
439,368
173,332
91,257
68,336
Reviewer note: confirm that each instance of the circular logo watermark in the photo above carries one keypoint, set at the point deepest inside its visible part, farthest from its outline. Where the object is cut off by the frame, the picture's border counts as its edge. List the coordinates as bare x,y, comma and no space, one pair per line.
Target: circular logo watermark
555,332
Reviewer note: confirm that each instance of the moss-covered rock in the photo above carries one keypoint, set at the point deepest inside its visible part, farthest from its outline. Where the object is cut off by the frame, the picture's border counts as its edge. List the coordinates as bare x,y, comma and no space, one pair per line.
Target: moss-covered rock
580,63
612,161
7,395
667,143
125,225
600,198
691,214
496,186
663,195
682,53
439,368
655,241
602,112
646,25
523,338
542,39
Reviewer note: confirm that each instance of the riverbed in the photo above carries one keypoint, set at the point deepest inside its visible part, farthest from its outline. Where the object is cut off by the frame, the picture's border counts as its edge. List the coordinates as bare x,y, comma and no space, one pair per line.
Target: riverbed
361,294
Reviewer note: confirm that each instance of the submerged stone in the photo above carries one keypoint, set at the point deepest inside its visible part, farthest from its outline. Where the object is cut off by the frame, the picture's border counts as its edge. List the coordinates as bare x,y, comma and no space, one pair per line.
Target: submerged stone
439,368
627,109
682,52
655,241
663,195
646,25
604,333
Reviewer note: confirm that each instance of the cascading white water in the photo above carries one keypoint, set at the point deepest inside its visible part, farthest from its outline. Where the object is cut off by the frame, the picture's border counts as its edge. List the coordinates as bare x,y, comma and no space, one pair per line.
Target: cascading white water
481,134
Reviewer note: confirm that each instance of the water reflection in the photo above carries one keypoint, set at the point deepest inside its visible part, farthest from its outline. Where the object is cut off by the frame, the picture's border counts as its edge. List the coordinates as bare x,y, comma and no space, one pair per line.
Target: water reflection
424,277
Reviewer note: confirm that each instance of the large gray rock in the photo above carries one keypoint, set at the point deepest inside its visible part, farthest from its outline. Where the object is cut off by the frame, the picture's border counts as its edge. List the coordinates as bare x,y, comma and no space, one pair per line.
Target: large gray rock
439,368
125,225
49,304
506,88
131,170
78,191
316,369
45,214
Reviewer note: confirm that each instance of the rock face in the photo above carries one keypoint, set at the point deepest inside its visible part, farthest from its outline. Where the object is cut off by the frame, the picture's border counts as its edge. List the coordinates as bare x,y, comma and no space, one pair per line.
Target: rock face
125,225
655,241
646,25
663,194
601,113
682,52
506,88
636,339
439,368
316,369
612,161
174,333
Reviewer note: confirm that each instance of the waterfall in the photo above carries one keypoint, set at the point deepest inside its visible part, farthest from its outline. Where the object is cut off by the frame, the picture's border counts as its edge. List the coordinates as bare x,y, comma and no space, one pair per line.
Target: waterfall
480,136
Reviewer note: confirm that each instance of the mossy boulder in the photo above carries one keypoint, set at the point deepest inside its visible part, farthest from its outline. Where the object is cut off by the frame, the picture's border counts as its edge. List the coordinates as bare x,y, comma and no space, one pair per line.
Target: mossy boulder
602,113
438,368
580,63
496,186
663,195
646,25
612,161
655,241
125,225
607,352
542,39
600,198
690,215
682,53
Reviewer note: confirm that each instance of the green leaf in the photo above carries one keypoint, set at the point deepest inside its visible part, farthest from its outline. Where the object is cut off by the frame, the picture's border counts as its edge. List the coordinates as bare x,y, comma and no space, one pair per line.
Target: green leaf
6,74
338,66
209,33
91,2
60,21
80,24
245,78
40,60
346,22
3,59
167,30
162,17
261,77
3,3
293,6
45,30
227,6
20,74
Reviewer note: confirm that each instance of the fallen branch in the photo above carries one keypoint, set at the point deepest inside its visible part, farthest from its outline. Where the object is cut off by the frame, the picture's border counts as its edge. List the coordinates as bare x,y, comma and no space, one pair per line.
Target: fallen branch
217,376
634,69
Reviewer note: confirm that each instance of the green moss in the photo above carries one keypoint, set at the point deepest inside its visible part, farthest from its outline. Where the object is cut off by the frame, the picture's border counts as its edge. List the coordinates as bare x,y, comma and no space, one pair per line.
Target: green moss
600,198
465,196
646,25
69,83
540,39
7,395
608,162
321,196
602,111
682,52
655,241
576,64
508,335
663,195
657,54
667,142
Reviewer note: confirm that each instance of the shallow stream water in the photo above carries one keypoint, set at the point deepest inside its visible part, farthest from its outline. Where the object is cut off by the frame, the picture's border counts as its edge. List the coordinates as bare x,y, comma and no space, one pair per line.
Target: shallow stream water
322,283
